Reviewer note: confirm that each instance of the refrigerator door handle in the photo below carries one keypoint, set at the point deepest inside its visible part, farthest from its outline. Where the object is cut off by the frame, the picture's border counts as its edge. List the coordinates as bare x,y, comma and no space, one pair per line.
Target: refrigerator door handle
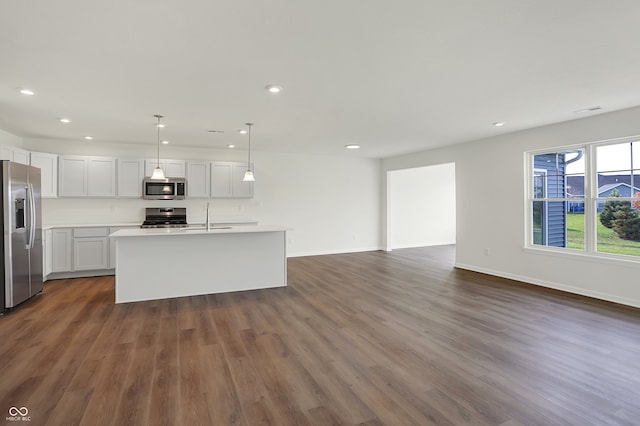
32,217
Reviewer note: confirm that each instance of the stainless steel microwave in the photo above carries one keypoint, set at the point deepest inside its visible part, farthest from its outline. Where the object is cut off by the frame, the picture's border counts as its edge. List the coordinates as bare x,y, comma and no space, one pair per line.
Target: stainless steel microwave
164,189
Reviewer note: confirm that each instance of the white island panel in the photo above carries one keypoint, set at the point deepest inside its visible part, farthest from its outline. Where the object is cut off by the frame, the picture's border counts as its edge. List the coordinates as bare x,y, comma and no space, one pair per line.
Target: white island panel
152,264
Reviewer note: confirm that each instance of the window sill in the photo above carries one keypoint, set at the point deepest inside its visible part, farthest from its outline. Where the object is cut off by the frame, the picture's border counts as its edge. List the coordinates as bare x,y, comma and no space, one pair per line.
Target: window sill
617,260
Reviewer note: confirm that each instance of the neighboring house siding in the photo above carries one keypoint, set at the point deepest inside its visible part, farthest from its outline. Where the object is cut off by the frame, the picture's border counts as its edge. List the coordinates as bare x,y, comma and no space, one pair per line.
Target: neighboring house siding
623,189
556,212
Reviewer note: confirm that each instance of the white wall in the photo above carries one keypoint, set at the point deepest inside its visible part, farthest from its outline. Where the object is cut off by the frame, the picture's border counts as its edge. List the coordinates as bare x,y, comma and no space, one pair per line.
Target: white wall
490,215
330,203
422,206
9,139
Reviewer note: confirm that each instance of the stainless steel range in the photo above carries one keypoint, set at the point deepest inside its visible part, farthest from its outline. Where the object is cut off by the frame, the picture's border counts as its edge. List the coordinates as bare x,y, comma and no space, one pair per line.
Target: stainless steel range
165,217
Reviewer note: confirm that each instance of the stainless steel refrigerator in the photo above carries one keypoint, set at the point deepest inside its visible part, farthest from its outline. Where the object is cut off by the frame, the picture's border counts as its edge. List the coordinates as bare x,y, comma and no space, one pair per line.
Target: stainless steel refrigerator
22,231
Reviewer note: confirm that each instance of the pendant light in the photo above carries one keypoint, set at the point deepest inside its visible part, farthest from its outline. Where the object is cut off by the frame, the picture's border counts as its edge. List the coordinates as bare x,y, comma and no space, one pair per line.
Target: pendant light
157,172
248,175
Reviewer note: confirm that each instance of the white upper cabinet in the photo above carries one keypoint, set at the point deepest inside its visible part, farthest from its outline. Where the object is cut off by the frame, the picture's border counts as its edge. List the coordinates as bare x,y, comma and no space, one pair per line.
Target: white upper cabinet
15,154
171,168
175,168
221,179
82,176
101,176
240,188
48,165
226,180
72,176
198,179
130,175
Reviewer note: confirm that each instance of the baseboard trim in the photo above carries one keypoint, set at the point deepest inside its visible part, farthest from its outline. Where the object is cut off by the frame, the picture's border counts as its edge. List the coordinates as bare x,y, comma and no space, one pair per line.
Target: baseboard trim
556,286
80,274
337,251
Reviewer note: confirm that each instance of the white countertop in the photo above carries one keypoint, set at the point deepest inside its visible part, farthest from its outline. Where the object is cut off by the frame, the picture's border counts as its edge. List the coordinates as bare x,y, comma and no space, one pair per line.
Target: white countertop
93,225
151,232
218,222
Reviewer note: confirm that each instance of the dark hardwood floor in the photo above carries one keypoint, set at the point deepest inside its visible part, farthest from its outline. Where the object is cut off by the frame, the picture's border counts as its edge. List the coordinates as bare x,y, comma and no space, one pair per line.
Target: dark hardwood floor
398,338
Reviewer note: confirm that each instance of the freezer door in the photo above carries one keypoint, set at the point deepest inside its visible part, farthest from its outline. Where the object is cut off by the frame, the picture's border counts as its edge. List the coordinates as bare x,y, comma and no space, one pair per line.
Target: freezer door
17,284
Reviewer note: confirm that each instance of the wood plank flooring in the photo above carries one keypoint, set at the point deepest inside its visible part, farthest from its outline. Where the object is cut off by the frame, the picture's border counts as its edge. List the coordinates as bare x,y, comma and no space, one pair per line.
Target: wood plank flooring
374,338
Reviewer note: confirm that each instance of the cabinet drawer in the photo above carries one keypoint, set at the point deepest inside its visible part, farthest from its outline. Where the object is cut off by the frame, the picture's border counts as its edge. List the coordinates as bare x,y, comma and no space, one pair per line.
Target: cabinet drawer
90,232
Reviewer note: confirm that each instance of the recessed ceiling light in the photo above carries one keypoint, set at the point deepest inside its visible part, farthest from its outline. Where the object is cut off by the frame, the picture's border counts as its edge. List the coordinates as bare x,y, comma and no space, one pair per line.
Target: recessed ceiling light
64,120
89,138
352,146
231,145
165,142
242,132
27,92
498,124
272,88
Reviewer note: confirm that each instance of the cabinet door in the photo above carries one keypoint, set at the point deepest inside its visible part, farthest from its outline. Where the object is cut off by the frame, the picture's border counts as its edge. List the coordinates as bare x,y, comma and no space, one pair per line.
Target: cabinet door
61,250
90,253
47,253
221,179
101,177
198,179
6,153
175,168
149,165
72,176
239,188
15,154
171,168
21,156
130,175
48,165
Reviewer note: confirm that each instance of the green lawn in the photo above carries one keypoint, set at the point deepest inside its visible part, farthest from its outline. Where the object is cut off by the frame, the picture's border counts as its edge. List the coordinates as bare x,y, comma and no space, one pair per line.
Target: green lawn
608,241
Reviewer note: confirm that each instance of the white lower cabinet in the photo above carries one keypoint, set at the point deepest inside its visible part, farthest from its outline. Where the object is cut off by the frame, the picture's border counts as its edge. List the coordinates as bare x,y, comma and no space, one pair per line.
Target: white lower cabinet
73,250
47,253
62,249
90,248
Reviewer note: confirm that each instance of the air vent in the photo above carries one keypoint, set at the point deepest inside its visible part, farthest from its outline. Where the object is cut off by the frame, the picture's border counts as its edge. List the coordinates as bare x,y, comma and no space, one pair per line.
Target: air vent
591,109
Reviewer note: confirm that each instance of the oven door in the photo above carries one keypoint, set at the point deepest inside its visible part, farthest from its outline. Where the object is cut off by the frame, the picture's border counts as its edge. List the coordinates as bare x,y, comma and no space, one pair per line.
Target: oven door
159,189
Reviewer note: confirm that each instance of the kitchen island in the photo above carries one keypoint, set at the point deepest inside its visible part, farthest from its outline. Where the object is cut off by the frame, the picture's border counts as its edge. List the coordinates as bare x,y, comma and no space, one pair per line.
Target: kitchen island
164,263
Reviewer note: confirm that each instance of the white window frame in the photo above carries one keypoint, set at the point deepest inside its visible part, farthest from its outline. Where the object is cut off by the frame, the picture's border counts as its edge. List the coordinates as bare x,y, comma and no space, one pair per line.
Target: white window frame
537,172
590,203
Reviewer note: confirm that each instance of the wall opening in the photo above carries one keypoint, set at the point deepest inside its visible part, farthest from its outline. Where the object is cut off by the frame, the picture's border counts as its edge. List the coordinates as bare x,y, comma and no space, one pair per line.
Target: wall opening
421,206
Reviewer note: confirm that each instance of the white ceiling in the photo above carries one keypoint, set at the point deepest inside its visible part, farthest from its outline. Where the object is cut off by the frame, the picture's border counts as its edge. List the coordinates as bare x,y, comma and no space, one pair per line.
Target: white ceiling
393,76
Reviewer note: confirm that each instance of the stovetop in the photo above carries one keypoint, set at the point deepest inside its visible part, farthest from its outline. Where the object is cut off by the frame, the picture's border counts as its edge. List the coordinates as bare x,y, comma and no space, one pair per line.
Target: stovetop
165,217
146,224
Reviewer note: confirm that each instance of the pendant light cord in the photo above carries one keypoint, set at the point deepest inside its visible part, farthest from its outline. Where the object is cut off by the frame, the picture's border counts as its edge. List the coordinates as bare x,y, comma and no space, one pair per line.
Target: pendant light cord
249,160
158,126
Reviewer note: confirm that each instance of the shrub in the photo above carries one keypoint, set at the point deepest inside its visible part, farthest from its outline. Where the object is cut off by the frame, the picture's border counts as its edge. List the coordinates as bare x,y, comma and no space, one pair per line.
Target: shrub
611,207
627,223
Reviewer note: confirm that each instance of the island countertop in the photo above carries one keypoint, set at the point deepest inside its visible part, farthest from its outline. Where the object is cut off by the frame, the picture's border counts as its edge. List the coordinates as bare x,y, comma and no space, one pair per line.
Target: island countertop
160,263
196,230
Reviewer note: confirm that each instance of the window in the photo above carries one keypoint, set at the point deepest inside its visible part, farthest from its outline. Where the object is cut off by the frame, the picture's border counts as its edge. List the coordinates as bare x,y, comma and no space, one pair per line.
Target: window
586,198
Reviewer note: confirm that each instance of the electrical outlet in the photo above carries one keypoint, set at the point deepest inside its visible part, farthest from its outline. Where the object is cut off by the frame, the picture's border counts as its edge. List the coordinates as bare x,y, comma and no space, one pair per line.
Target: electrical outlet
487,251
